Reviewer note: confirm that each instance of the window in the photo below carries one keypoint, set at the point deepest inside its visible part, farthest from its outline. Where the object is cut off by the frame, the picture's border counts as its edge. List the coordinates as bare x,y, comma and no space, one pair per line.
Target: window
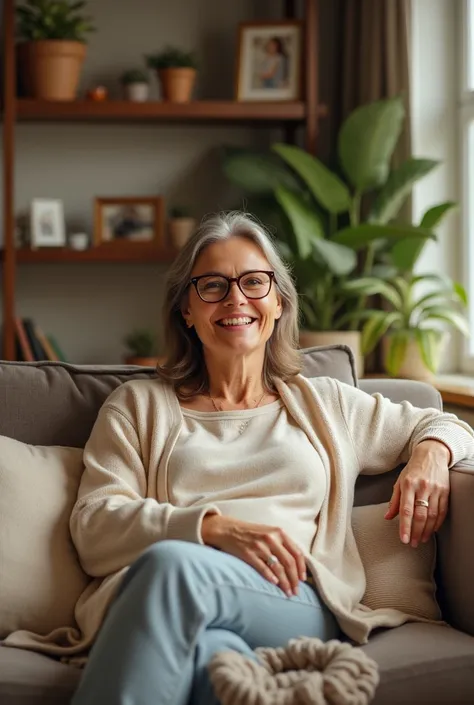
467,162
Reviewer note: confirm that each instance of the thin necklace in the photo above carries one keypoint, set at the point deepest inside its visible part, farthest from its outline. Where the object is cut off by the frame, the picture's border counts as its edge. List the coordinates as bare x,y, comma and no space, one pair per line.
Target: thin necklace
244,424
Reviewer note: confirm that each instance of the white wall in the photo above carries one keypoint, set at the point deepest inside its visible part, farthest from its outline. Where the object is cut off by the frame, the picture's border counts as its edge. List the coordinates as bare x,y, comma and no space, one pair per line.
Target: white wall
90,307
434,94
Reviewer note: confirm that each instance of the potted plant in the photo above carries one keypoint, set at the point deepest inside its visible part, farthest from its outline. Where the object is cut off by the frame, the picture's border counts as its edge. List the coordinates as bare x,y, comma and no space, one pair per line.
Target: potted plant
141,344
136,85
181,225
176,70
53,49
418,310
318,211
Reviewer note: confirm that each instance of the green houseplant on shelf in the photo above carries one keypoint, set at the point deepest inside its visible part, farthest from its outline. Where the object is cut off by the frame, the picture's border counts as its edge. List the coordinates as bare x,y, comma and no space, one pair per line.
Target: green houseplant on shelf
52,47
136,85
176,70
334,226
141,345
419,309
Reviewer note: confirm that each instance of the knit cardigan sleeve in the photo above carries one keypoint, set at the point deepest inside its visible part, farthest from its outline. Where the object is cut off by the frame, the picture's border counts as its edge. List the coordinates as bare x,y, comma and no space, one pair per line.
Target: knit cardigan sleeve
114,519
384,434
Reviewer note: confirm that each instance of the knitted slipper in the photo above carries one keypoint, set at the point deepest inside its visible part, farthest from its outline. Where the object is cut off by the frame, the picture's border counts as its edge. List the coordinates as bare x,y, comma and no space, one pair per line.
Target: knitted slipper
305,672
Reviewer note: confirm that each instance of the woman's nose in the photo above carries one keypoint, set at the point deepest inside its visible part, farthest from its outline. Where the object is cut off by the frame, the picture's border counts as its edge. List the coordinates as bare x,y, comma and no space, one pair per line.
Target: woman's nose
234,294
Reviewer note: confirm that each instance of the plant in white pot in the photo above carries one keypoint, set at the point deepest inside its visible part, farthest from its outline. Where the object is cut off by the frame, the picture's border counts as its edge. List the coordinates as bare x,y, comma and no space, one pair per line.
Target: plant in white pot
419,310
181,225
136,85
176,70
52,47
320,212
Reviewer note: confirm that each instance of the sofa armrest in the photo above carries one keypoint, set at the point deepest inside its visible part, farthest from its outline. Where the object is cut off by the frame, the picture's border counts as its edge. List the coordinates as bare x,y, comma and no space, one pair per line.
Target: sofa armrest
456,551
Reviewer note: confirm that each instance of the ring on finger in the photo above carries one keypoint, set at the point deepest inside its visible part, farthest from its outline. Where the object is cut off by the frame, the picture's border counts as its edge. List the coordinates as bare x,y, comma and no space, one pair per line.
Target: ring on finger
422,503
271,560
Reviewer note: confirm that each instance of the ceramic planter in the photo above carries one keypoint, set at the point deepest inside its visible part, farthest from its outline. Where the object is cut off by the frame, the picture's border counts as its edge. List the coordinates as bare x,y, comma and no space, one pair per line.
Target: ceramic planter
351,338
50,69
137,92
413,366
177,84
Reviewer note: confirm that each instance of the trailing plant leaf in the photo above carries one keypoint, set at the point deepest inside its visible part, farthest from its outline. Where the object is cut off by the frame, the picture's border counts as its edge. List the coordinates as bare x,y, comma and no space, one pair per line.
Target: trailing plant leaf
370,286
256,173
367,140
434,215
429,345
306,225
376,327
326,187
398,187
442,313
338,259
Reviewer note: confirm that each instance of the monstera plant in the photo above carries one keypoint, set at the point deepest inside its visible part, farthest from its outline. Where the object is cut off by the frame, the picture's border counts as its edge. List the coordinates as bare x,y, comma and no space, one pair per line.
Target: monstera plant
335,225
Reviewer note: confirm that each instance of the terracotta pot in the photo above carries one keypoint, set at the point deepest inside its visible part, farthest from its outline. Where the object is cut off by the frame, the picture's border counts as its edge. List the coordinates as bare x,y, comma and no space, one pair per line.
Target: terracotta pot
351,338
142,361
51,68
180,230
413,366
177,84
137,92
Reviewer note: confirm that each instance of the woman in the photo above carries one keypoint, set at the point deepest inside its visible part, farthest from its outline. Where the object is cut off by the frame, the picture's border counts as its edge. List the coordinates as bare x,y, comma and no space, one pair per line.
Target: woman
253,467
274,70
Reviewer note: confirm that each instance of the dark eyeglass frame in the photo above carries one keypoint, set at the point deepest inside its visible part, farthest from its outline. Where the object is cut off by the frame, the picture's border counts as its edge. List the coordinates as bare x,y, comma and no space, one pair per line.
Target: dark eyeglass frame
230,280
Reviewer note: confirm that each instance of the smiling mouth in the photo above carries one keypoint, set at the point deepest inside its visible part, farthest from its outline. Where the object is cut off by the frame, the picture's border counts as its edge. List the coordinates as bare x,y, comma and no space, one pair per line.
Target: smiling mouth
242,322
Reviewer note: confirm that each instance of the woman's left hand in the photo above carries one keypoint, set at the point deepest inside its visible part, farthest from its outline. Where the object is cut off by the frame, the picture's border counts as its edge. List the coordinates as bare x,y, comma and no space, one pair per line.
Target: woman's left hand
421,493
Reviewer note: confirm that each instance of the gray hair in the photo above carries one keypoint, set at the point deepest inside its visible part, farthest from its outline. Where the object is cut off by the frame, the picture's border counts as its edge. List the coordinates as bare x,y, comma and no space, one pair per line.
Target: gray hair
184,366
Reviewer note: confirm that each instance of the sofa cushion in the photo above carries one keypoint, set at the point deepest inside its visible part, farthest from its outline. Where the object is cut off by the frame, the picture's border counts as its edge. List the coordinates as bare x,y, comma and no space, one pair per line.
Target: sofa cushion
423,664
27,678
54,403
41,578
398,576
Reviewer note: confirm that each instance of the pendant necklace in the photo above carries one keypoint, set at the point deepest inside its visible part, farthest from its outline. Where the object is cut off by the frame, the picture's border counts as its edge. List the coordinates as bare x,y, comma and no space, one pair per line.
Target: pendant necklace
244,424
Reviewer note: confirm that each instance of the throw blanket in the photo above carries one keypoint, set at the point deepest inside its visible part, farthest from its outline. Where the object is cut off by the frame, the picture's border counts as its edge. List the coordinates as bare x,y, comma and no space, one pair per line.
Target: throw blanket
305,672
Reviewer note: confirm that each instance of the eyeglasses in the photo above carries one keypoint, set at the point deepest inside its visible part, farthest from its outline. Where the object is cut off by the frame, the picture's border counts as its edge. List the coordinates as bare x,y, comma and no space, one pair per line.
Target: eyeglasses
213,288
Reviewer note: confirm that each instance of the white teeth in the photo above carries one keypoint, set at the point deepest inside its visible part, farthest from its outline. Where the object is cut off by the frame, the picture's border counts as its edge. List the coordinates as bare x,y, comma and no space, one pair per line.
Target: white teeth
235,321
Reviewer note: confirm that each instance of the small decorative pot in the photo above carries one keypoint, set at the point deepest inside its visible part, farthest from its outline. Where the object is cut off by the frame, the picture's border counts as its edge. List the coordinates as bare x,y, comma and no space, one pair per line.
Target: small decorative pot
180,230
51,68
137,92
79,241
177,84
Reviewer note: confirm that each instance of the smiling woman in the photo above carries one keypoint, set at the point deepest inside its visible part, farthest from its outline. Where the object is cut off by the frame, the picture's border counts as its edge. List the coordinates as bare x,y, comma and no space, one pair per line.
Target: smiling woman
222,484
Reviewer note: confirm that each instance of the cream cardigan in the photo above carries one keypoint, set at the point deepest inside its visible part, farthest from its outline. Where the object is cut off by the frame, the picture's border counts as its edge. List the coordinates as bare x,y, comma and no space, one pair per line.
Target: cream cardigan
123,502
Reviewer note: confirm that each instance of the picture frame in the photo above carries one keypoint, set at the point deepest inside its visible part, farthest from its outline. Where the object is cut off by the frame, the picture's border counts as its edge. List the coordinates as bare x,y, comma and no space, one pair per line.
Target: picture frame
130,221
47,224
269,61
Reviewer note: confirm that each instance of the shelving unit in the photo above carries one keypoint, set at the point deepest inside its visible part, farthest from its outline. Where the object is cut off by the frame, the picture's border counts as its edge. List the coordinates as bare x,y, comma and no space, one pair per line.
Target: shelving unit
287,115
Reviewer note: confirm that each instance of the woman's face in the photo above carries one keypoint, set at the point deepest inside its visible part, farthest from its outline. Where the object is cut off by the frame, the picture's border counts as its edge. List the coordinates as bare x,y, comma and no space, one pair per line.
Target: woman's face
272,47
231,259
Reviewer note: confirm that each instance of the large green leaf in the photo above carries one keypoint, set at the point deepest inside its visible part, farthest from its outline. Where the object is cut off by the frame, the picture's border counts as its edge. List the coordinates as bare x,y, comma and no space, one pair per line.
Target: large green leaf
306,225
338,259
327,188
376,327
429,345
367,140
461,293
361,235
396,350
397,188
256,172
443,313
434,215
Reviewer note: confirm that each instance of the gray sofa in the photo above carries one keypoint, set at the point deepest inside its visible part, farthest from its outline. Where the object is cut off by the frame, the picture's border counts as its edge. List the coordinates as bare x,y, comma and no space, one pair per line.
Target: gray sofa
56,404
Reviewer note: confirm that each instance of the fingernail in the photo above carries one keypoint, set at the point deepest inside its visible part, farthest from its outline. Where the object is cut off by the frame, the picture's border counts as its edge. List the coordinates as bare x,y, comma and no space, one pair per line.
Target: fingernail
274,579
304,578
289,593
405,538
414,544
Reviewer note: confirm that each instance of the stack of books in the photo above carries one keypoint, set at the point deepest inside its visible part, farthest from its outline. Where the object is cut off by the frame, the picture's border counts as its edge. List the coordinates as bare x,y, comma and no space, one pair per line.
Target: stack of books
32,344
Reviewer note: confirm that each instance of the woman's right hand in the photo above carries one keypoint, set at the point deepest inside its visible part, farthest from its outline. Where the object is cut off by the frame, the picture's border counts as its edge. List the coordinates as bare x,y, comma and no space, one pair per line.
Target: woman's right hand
254,544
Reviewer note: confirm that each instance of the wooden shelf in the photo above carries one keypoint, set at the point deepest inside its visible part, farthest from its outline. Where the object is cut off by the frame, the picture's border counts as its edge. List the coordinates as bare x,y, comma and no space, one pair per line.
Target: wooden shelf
127,111
140,254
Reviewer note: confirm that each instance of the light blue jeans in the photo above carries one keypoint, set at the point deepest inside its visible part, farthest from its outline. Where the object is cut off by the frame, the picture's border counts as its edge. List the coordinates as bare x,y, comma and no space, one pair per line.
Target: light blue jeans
181,603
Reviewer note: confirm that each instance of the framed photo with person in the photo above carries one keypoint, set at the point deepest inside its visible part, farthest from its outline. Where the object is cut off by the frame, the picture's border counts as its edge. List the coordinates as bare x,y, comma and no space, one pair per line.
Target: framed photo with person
269,61
133,219
47,226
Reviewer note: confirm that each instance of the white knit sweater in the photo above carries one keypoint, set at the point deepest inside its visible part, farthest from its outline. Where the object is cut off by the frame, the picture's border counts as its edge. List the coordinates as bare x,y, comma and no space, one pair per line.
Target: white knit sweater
124,503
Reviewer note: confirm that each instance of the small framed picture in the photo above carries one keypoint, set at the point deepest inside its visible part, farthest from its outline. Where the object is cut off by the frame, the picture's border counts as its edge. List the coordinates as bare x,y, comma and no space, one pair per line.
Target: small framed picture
47,226
129,220
269,61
